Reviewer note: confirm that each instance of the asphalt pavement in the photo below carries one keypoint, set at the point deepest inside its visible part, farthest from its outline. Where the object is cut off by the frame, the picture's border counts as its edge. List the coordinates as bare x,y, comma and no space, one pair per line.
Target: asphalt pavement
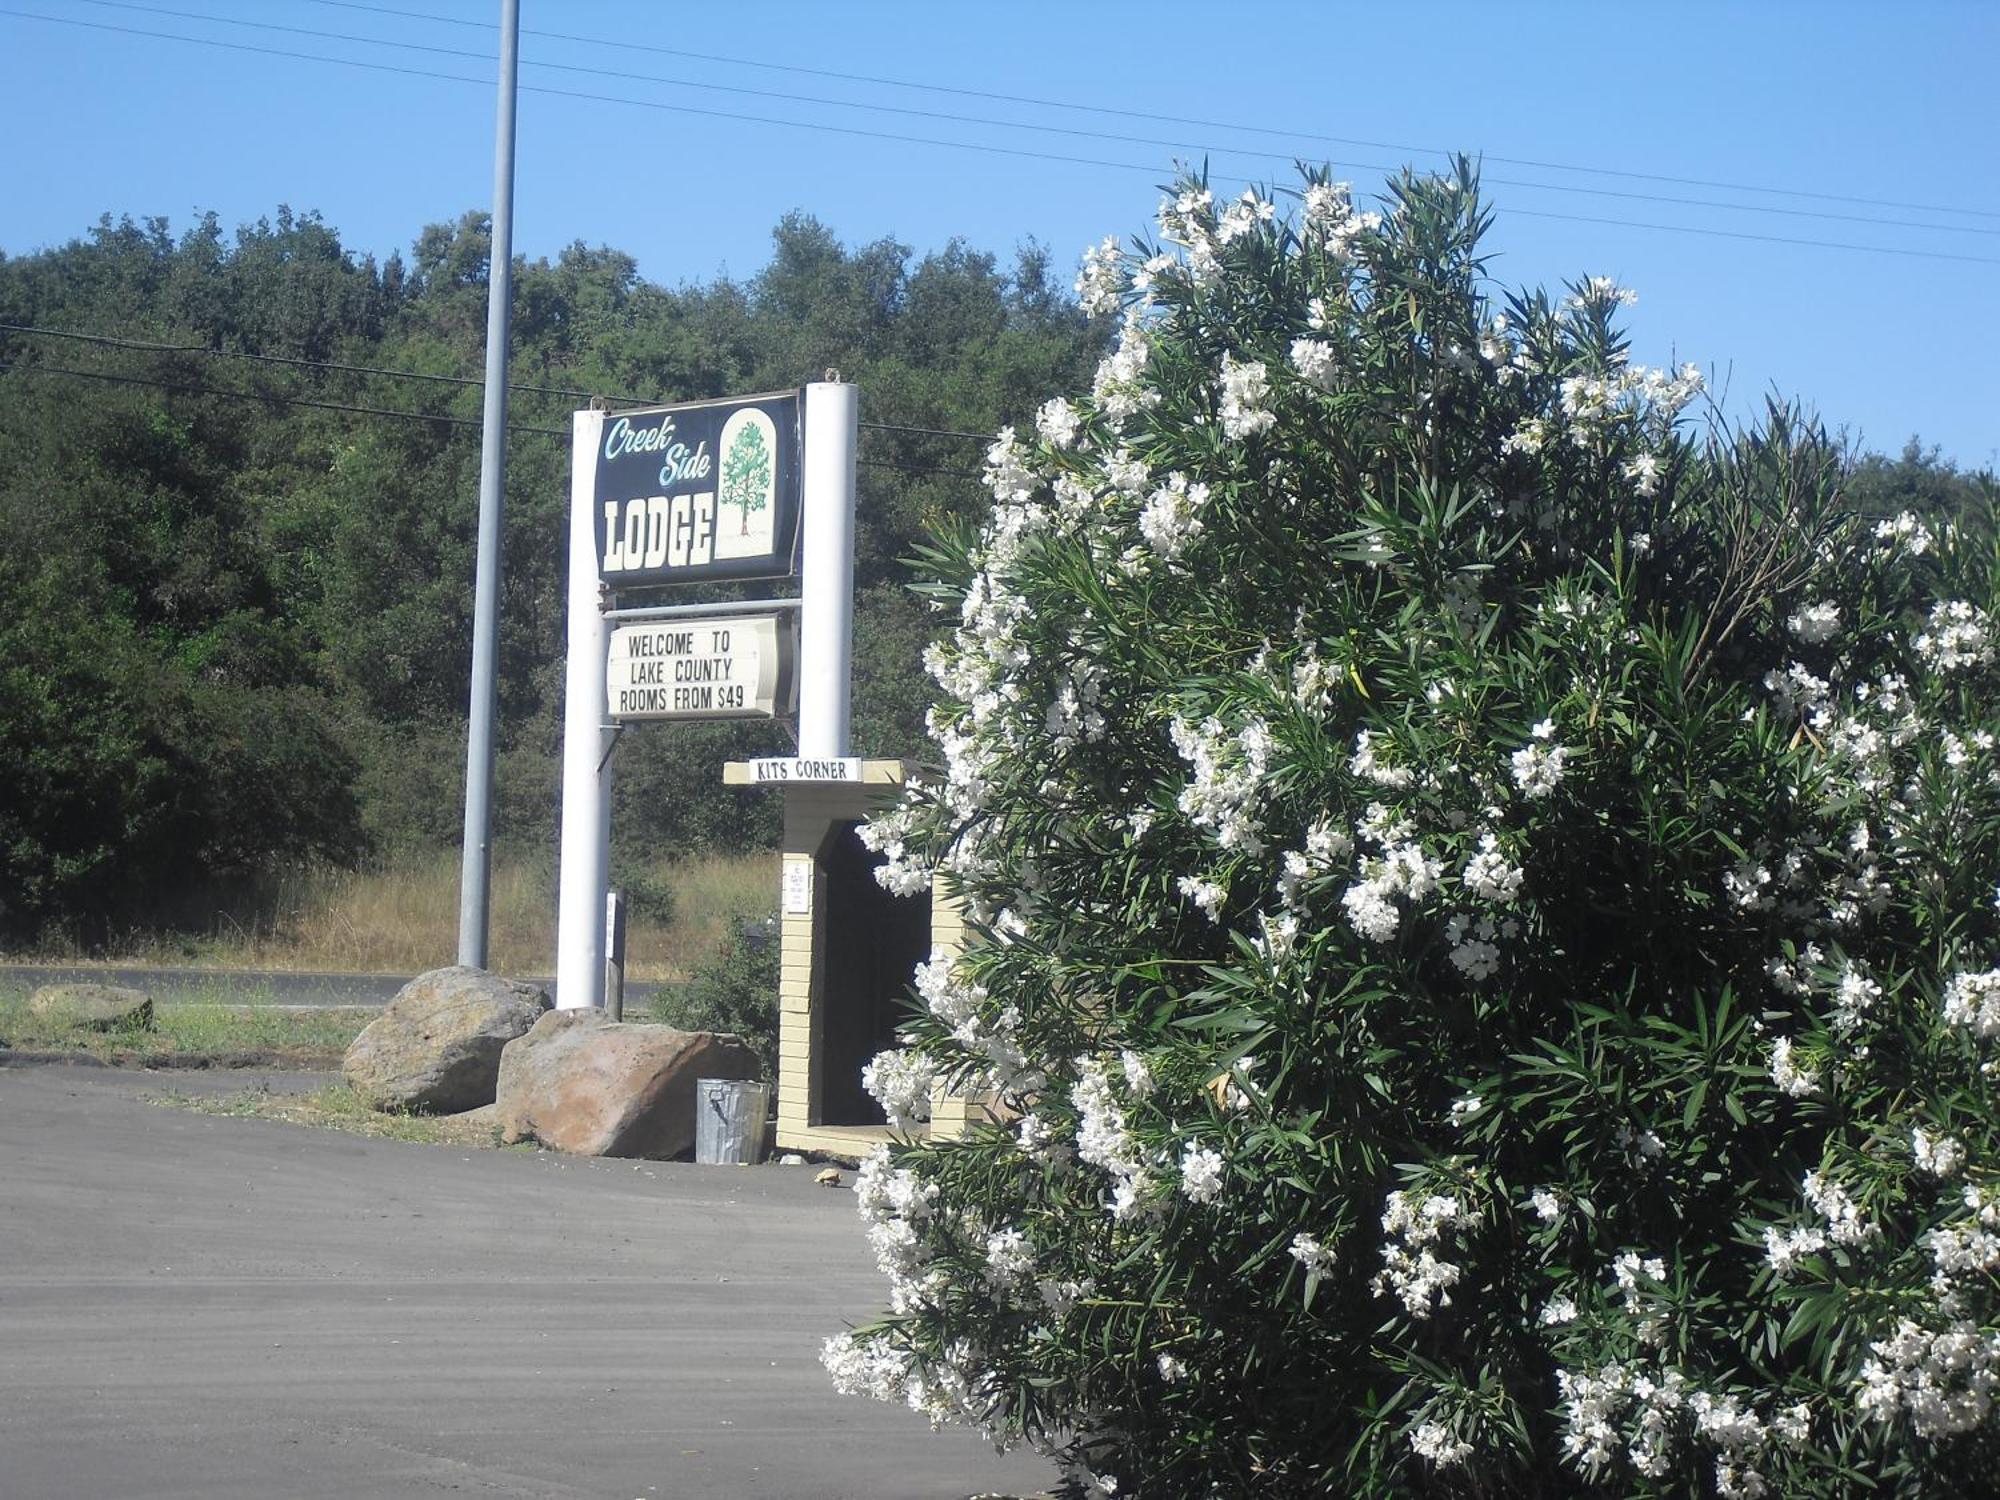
235,1309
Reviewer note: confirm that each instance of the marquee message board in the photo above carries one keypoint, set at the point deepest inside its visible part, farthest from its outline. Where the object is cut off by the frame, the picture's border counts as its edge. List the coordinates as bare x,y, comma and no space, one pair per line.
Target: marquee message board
698,492
738,667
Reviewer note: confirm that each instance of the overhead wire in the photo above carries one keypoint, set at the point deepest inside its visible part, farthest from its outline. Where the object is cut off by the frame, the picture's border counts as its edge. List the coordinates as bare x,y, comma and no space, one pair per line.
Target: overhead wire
1209,148
981,147
191,388
155,346
184,387
1135,114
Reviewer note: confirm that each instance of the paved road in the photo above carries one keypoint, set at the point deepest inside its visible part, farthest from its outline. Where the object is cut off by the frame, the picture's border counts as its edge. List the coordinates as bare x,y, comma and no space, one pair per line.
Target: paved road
270,986
205,1308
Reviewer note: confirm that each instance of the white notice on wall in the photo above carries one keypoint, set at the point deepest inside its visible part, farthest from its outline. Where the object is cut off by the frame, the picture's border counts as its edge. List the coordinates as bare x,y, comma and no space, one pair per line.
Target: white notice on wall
806,768
737,667
798,885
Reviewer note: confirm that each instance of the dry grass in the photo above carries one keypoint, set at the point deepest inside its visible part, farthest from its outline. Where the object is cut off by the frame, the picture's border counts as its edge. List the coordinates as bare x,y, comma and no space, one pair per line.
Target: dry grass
336,1107
191,1034
403,919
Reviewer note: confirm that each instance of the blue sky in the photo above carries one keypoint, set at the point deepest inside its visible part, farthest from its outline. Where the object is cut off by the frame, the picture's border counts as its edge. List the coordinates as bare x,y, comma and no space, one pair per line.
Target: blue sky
1880,103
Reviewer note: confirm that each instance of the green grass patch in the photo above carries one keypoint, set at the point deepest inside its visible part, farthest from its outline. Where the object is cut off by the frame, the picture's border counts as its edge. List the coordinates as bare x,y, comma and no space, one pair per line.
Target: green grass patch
337,1107
237,1033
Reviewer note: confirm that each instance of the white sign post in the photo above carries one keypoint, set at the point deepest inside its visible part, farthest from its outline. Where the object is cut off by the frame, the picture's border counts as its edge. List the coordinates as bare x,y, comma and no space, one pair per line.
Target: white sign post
724,469
584,875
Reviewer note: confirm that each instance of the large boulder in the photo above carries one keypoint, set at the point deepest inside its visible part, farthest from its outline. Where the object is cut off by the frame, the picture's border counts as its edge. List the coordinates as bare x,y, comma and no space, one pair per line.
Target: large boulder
436,1049
583,1083
93,1007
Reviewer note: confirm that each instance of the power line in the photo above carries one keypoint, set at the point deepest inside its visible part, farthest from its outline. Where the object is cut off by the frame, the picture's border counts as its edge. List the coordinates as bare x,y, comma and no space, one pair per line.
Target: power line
1015,151
190,388
1211,149
1134,114
288,359
297,361
950,432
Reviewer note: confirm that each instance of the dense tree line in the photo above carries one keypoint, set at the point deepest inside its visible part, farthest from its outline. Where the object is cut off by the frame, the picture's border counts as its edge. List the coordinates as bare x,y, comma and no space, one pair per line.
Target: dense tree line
236,632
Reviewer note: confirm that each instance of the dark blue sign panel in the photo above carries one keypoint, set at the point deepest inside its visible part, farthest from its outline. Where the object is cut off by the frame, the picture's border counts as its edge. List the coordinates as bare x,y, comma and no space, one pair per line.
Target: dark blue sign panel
692,493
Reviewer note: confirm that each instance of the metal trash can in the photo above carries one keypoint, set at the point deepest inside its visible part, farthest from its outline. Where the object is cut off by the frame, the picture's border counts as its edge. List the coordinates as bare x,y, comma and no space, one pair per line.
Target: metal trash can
729,1119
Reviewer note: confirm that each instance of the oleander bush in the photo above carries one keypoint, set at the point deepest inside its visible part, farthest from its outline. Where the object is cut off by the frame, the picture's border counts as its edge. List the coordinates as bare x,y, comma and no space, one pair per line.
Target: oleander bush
1485,894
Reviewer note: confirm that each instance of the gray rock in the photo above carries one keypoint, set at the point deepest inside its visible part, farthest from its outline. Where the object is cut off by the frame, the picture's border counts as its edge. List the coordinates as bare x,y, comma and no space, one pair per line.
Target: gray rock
436,1049
583,1083
94,1007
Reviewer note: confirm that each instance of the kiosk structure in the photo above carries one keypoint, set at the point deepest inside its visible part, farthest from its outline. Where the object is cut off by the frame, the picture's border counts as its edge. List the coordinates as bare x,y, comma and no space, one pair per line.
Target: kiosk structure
749,488
848,951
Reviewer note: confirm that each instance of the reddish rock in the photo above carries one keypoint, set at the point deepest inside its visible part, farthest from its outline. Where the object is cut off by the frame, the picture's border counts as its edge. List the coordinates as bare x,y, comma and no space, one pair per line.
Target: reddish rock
583,1083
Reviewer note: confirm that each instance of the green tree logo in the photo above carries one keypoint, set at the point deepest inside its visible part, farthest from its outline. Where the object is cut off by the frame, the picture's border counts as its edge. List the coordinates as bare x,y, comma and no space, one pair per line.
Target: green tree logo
746,472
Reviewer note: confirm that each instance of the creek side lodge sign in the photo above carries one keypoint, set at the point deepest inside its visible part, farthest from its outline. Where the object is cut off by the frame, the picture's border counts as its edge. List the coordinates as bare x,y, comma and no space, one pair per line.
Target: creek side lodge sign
703,491
739,667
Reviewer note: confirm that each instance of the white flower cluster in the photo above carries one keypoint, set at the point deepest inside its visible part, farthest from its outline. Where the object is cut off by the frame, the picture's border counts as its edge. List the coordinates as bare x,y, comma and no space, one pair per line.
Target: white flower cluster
1228,768
1638,1278
1938,1155
1010,1260
901,1080
1643,470
1411,1270
1104,1141
962,1005
1943,1380
1972,1001
1401,871
1314,359
1958,635
1244,216
1854,995
1623,1404
1330,219
1120,392
1593,1410
1368,763
1538,767
1629,397
1246,393
1490,875
1100,285
1784,1249
1172,516
1790,1076
1206,894
1815,624
1202,1174
1433,1441
871,1366
1188,219
1058,422
1845,1224
1741,1438
1324,845
1905,533
1475,951
1965,1250
1309,1252
894,1204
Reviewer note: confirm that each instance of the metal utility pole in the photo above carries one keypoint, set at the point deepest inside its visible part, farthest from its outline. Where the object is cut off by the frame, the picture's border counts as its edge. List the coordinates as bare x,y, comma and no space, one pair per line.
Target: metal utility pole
476,862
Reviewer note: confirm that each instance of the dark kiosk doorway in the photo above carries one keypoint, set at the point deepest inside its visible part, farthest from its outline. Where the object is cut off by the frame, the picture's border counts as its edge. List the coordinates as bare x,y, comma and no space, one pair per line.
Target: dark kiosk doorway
871,943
